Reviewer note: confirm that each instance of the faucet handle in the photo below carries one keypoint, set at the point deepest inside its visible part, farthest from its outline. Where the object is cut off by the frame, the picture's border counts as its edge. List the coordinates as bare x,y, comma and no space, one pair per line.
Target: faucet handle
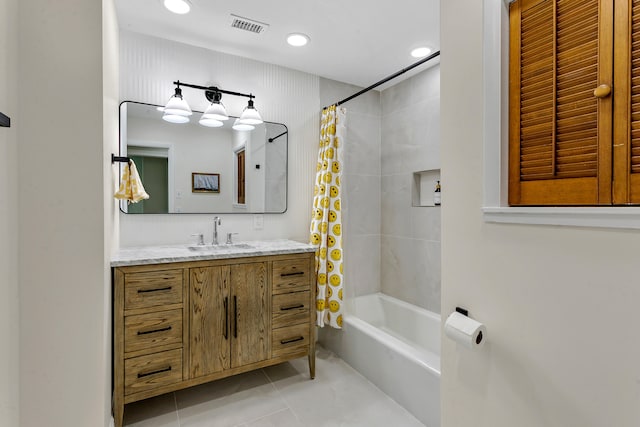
230,238
200,237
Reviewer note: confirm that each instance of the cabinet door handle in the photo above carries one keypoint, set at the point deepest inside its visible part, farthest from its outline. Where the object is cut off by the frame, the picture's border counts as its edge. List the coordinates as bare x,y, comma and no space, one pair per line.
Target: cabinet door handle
168,328
159,371
144,291
290,340
226,318
297,273
235,317
291,307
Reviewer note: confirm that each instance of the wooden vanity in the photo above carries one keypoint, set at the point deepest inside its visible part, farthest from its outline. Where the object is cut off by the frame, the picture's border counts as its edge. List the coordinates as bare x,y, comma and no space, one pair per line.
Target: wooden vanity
182,321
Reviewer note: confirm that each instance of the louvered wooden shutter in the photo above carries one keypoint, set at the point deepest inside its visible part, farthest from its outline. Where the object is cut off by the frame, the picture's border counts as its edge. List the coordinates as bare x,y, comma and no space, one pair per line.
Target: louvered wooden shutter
626,146
559,132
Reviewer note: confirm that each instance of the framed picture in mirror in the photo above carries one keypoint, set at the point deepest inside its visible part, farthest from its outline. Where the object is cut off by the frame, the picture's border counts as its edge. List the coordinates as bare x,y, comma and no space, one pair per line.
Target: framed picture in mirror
205,182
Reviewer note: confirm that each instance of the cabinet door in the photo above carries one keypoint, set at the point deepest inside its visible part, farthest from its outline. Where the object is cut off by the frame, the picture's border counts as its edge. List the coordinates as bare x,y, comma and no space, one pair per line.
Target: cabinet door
210,329
560,147
251,311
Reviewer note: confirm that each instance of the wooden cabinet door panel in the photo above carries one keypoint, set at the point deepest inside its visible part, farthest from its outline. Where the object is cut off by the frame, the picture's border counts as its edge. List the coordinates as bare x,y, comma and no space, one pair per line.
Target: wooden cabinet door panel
209,329
560,130
251,308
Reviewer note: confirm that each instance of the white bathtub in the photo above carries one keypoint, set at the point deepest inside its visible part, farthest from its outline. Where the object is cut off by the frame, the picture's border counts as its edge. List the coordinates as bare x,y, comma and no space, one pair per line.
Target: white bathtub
396,346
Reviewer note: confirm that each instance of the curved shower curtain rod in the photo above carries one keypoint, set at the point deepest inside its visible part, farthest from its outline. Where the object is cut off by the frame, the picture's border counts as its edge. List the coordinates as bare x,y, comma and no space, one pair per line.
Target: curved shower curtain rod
386,79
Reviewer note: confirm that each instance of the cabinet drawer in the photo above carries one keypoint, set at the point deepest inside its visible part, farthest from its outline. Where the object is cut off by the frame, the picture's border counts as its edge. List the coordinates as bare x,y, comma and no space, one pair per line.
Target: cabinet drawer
290,309
291,275
152,330
152,288
290,340
155,370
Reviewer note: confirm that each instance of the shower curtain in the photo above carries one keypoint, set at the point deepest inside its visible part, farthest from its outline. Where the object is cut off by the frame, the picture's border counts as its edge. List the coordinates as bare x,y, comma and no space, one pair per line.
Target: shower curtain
326,222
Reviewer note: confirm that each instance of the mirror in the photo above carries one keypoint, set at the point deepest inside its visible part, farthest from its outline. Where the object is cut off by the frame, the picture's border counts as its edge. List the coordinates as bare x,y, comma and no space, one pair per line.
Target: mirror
190,168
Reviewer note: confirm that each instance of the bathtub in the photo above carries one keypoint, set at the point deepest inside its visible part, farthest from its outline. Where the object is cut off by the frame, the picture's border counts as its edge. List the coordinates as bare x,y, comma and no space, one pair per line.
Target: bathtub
396,346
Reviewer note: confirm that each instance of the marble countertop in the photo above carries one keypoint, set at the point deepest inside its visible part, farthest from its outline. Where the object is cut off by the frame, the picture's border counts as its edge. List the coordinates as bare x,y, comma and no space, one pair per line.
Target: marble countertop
181,253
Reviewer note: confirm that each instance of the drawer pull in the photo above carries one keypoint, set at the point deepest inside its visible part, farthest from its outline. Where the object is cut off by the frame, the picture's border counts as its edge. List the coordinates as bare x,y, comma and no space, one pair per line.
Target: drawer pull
168,328
290,340
144,291
297,273
291,307
159,371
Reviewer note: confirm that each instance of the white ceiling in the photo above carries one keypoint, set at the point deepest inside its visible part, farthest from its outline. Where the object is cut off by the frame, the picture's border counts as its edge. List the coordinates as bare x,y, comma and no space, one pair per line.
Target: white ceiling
352,41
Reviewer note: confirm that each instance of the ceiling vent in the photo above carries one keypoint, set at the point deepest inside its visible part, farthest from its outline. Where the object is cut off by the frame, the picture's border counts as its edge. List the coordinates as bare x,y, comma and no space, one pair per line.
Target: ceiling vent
248,24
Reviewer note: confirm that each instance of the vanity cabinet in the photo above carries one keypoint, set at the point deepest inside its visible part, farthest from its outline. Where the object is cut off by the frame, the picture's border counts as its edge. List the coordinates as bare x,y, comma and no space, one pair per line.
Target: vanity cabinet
180,324
229,317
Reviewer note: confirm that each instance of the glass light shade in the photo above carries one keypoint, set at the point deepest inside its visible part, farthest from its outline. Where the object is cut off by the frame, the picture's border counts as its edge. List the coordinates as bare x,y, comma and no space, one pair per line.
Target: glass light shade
177,106
250,115
215,111
178,6
210,123
175,118
238,125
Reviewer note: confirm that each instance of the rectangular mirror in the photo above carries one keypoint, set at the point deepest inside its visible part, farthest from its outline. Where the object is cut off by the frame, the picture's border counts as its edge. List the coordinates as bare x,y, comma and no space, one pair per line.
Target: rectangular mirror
190,168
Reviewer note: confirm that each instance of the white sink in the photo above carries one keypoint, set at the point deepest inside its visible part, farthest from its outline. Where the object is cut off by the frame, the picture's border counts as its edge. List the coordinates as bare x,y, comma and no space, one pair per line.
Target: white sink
220,248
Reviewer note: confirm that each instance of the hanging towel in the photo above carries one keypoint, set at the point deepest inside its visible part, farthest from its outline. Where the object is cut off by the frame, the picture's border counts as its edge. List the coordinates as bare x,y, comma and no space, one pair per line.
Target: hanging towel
131,188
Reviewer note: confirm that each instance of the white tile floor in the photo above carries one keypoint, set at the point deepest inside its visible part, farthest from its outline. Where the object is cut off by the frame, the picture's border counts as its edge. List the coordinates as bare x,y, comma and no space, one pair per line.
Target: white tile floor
278,396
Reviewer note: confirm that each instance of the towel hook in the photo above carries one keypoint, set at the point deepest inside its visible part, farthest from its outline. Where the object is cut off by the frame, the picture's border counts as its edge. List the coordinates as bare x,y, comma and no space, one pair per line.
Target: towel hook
115,158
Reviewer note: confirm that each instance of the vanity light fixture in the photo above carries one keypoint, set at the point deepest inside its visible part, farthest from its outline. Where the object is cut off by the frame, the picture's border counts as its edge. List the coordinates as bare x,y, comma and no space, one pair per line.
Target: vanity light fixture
178,6
420,52
297,39
250,115
216,109
177,110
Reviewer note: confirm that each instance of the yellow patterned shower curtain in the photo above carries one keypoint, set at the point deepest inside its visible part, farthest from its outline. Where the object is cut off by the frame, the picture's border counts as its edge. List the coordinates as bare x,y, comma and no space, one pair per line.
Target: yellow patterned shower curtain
326,222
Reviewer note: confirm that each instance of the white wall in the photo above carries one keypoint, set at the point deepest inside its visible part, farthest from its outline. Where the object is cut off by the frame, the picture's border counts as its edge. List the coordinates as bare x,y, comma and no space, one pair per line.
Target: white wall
9,288
110,114
62,239
149,65
559,303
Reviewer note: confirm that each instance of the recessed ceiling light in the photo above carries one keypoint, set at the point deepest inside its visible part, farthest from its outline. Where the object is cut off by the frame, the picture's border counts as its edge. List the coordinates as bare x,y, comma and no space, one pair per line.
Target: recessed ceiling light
297,39
178,6
420,52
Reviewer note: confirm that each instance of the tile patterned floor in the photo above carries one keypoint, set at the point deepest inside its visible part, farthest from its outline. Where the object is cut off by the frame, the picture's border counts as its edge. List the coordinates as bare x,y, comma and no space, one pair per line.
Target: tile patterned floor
278,396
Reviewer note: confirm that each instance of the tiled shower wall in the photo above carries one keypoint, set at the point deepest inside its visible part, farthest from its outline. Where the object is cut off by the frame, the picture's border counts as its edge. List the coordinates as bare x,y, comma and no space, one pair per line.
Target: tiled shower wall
390,246
410,236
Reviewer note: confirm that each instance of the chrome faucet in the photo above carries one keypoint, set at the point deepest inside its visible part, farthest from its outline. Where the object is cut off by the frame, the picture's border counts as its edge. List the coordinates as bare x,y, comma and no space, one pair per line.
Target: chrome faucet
216,222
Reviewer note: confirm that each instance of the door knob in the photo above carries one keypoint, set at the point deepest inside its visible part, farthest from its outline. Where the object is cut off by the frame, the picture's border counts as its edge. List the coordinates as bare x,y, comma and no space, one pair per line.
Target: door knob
602,91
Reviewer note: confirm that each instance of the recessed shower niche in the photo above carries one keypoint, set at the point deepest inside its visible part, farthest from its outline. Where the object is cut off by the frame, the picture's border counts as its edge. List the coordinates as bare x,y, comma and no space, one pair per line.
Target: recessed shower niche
423,187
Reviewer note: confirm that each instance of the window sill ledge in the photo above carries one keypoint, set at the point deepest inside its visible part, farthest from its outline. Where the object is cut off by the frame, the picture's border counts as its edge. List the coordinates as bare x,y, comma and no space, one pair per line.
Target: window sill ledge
602,217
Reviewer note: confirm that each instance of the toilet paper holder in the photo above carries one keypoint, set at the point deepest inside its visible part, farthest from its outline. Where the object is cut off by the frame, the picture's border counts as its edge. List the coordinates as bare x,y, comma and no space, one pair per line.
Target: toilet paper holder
462,311
465,313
